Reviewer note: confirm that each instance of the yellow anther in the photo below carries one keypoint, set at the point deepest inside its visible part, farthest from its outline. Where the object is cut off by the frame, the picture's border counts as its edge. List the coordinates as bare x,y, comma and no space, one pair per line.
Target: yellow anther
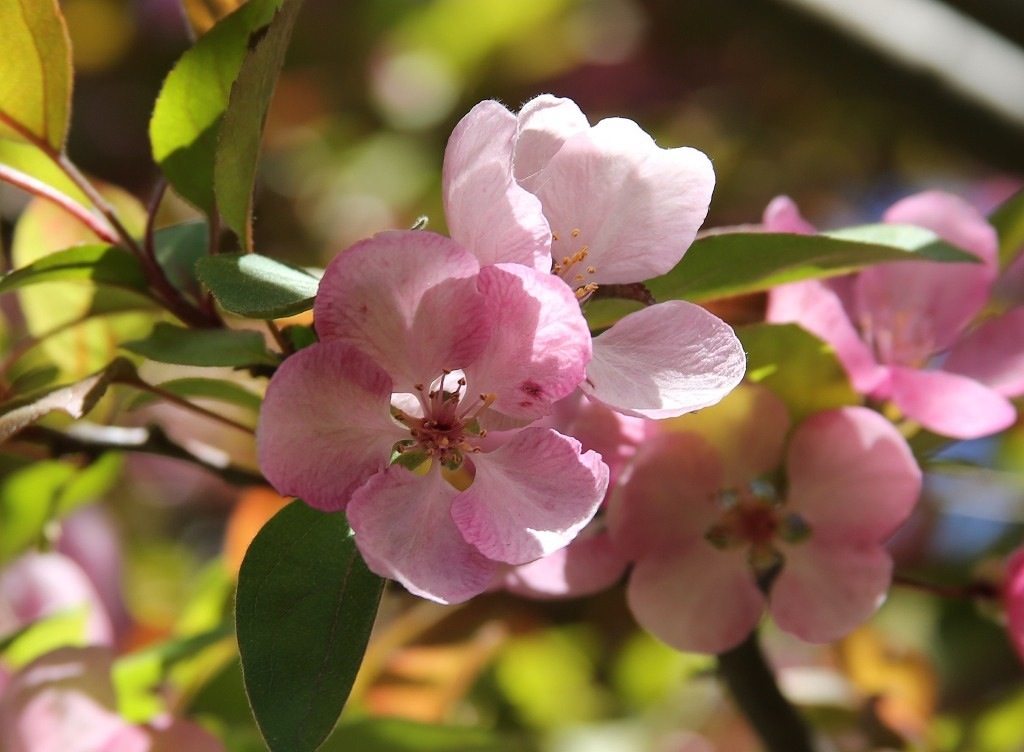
591,270
554,236
576,232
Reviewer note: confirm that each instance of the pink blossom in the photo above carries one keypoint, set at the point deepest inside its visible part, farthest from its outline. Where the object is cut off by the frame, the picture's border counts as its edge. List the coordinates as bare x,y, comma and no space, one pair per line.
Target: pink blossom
596,205
1013,600
906,332
707,529
422,352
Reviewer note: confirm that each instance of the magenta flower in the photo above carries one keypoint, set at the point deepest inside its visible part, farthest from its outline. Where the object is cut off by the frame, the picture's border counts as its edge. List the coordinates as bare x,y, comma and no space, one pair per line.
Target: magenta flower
707,530
905,331
1013,600
422,352
596,205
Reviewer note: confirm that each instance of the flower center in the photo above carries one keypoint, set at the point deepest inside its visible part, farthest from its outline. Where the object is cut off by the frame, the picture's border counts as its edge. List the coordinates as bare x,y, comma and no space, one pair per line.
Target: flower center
571,268
899,338
448,424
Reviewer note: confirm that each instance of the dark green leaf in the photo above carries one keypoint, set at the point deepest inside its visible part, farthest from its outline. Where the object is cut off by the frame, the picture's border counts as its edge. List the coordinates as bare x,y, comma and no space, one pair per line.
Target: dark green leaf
800,368
241,132
1008,219
258,287
178,248
35,88
305,606
99,264
734,263
203,347
191,104
399,735
217,389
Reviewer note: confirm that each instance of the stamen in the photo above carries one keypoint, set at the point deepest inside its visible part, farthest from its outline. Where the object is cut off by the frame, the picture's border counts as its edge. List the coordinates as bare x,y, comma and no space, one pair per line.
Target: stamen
576,233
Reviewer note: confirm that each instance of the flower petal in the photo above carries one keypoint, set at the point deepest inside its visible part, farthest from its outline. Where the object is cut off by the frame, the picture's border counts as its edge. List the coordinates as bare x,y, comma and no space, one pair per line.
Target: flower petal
825,590
635,206
783,215
951,404
665,360
488,212
1013,600
531,496
325,425
993,354
540,343
698,599
586,566
818,309
408,300
951,218
545,122
852,476
404,531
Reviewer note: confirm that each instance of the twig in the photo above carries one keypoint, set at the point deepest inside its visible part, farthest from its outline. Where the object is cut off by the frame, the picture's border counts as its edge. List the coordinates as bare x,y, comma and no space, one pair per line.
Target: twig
38,188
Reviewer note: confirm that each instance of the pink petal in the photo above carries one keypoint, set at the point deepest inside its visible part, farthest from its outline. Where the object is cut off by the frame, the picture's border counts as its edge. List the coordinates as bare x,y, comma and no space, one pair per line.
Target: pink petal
540,343
825,590
545,122
665,360
635,206
531,496
951,218
488,212
1013,600
409,301
325,425
404,531
993,354
586,566
852,476
818,309
782,215
696,599
611,434
669,497
950,404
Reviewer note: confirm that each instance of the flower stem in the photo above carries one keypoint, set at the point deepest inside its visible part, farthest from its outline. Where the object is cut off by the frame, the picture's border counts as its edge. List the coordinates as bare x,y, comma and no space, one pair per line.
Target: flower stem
36,187
750,680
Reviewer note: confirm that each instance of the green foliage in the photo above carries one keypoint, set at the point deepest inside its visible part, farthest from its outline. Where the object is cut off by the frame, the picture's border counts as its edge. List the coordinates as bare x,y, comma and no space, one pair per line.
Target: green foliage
194,97
258,287
742,262
306,603
98,264
178,248
231,348
801,369
1008,219
35,89
216,389
397,735
241,132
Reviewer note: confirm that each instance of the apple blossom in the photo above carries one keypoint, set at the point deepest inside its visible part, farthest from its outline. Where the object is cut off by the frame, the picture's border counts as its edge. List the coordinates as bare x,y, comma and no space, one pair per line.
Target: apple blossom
707,528
421,352
905,331
615,208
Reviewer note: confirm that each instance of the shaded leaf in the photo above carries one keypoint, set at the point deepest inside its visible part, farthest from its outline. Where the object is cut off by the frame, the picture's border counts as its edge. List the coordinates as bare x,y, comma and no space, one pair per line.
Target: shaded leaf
217,389
100,264
241,132
188,111
306,603
398,735
177,249
202,347
743,262
1008,219
35,88
257,286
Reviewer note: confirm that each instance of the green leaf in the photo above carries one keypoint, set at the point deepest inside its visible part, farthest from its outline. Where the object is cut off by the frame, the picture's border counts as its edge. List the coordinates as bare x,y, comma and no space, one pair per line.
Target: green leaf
800,368
734,263
177,249
191,104
217,389
99,264
203,347
258,287
241,133
399,735
305,606
1008,219
35,88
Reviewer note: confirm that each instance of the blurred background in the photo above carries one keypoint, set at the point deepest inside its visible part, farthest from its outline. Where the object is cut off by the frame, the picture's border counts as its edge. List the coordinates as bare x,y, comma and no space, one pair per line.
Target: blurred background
845,105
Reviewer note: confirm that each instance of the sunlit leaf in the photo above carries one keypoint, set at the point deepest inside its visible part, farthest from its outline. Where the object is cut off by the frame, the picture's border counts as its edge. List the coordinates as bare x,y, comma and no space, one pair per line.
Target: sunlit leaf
35,88
306,603
191,104
734,263
241,131
208,347
62,629
1008,219
258,286
99,264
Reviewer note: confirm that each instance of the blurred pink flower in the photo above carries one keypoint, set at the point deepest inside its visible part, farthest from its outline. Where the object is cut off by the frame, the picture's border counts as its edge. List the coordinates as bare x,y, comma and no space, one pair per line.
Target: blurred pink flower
1013,600
596,205
906,331
707,531
422,352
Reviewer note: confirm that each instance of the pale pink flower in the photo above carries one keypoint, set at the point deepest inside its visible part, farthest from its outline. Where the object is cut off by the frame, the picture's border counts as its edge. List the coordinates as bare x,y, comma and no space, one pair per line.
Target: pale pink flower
905,332
422,351
704,524
596,205
1013,600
